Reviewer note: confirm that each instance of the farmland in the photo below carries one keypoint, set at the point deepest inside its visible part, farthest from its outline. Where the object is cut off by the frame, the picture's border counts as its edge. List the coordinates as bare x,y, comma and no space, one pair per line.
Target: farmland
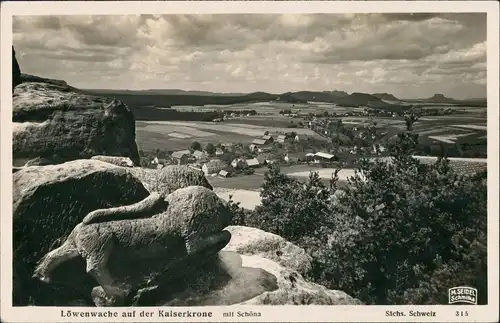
175,135
464,128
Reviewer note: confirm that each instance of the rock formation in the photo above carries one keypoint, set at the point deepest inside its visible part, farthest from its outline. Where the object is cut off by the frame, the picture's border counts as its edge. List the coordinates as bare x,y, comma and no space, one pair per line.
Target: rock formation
255,242
16,71
170,178
191,226
48,202
118,161
57,124
188,254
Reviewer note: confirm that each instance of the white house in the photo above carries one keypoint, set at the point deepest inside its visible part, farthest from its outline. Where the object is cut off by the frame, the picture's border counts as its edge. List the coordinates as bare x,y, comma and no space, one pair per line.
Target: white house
295,157
239,163
213,167
198,154
320,156
224,173
219,152
253,162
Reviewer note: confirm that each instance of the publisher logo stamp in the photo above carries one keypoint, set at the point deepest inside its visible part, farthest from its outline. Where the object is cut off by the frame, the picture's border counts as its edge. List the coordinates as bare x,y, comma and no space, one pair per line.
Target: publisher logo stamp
462,294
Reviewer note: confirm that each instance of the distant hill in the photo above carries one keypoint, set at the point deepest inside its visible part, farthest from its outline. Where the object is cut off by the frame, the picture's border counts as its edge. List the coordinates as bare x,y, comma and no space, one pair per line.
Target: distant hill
289,98
335,93
385,96
145,98
184,92
165,92
362,99
314,96
439,98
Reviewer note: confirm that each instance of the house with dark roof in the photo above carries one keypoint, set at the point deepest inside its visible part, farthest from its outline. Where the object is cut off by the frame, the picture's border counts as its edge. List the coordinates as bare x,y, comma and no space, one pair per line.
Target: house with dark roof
268,138
181,156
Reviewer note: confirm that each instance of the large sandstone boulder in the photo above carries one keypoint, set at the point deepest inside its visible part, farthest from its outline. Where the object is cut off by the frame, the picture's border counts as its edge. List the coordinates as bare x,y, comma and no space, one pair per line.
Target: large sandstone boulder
192,211
118,161
16,71
259,277
48,201
293,289
55,122
234,279
255,242
170,178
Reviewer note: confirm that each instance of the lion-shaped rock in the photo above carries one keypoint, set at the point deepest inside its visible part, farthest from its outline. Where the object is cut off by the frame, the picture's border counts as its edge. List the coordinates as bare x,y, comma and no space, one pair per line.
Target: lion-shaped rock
186,223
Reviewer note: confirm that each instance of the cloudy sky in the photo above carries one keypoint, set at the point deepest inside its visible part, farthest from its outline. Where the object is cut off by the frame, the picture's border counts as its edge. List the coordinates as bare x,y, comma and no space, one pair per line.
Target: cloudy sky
408,55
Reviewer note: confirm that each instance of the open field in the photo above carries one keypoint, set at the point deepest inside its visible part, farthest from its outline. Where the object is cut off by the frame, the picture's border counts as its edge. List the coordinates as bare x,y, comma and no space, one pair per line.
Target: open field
254,182
248,199
325,173
174,135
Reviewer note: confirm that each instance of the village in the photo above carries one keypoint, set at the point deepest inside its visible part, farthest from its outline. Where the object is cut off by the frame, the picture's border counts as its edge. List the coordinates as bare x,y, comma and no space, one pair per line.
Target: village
233,159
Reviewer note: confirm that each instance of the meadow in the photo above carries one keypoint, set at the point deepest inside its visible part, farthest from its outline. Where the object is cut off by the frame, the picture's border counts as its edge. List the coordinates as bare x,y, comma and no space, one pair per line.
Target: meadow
469,128
174,135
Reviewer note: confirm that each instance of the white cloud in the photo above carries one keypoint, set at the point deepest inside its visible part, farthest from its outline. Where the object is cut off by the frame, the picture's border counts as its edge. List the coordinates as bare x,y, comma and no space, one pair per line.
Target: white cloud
407,55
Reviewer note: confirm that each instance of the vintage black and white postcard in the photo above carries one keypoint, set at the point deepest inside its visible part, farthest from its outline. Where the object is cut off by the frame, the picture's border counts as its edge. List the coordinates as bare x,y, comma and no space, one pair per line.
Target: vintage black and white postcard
274,161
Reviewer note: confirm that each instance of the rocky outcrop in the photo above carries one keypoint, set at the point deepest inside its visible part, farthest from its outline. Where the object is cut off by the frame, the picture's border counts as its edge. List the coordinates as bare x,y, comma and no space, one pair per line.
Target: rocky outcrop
255,242
58,124
172,247
38,79
234,279
48,202
16,71
128,255
118,161
173,177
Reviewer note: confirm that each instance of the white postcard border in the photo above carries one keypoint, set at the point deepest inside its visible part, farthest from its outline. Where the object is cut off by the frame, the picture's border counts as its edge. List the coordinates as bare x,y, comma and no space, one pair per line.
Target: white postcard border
360,313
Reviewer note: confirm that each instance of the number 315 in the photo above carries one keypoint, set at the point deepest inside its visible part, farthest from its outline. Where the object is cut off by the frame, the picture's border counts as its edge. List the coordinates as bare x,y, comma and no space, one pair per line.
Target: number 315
461,313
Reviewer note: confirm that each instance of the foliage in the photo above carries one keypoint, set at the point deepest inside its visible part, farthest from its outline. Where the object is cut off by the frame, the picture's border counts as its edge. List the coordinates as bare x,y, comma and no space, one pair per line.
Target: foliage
239,214
210,148
248,171
195,146
290,208
399,233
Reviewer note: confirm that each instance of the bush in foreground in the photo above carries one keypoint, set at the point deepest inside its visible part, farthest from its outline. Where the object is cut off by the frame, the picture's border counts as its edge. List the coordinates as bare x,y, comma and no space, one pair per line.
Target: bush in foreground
400,233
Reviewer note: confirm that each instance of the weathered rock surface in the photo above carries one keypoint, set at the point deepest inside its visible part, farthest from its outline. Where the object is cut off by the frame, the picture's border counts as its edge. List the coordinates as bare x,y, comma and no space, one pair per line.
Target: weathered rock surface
54,122
170,178
118,161
16,71
293,289
48,201
245,266
234,279
255,242
38,79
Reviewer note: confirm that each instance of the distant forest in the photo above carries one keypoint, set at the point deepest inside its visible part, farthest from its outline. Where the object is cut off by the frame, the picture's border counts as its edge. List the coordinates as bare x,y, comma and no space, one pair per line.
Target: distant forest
148,105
